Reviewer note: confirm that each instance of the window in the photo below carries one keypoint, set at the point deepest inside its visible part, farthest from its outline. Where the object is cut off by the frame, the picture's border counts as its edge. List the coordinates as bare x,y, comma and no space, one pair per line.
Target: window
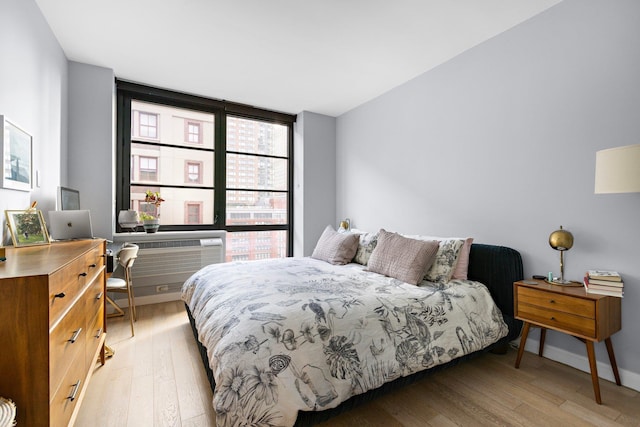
148,125
148,168
193,213
192,130
192,172
217,164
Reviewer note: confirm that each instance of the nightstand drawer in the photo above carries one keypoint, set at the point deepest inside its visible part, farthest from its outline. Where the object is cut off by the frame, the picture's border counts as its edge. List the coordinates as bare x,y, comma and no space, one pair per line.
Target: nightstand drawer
557,302
565,322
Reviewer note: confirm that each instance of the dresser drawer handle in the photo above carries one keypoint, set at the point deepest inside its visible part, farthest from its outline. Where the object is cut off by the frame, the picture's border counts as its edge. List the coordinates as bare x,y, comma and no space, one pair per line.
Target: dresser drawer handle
552,318
75,335
99,296
552,301
93,265
60,295
82,275
74,392
97,336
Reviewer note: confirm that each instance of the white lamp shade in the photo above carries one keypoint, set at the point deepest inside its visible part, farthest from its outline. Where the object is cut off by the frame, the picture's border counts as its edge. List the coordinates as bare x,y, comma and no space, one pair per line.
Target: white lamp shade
618,170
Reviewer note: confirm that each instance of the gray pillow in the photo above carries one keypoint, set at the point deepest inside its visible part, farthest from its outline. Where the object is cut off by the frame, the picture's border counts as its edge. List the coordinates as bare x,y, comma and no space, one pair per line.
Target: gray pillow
336,248
402,258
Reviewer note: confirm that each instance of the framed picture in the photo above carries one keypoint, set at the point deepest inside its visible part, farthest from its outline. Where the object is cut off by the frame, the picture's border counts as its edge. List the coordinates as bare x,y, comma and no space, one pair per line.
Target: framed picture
27,228
15,146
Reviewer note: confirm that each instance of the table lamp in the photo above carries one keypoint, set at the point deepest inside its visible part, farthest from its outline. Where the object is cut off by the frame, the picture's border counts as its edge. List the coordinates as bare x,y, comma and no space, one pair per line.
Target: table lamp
561,240
345,225
618,170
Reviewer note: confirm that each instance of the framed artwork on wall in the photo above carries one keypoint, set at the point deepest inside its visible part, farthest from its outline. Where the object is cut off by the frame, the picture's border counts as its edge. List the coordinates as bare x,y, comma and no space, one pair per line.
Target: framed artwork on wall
27,227
17,157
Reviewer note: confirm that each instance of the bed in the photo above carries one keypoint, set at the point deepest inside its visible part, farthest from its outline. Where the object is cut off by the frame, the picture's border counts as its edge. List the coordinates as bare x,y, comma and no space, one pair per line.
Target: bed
296,341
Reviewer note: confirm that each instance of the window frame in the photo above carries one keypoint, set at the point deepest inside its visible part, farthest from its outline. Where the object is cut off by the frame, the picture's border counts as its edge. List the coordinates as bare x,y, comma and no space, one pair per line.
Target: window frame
128,91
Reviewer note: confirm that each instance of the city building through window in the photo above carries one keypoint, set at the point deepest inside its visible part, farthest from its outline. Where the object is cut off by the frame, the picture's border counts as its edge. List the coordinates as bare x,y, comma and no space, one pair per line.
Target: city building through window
238,180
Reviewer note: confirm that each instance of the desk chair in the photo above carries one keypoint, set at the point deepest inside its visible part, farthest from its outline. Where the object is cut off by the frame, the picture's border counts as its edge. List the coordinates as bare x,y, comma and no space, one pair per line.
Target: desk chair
126,256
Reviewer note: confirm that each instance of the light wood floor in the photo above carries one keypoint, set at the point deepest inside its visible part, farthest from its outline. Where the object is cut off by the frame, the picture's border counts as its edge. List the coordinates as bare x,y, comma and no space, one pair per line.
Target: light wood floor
156,379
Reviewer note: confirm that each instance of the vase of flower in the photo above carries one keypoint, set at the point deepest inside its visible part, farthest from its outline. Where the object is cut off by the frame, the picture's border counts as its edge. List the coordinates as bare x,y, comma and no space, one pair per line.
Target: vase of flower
151,222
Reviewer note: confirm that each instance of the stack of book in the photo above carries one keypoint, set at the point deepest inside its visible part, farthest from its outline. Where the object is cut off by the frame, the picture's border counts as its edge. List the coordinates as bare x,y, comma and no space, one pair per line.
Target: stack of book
604,282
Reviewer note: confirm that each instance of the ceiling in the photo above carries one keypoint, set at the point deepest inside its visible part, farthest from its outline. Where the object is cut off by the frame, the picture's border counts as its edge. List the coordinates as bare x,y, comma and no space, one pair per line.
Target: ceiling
324,56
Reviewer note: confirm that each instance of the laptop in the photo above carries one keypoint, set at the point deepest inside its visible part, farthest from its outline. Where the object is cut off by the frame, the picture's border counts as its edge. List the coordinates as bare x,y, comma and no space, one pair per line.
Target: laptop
69,225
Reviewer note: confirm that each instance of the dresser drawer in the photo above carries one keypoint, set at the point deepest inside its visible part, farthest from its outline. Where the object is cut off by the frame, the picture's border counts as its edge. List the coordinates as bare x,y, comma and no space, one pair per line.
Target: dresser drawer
557,302
95,331
66,341
94,297
64,401
565,322
65,285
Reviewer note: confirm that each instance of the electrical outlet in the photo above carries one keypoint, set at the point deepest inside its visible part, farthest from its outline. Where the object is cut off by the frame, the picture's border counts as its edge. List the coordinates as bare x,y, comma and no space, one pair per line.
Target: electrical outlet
162,288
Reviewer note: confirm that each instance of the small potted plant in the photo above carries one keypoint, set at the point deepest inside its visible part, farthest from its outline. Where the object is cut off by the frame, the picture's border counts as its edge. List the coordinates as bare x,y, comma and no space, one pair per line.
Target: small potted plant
150,222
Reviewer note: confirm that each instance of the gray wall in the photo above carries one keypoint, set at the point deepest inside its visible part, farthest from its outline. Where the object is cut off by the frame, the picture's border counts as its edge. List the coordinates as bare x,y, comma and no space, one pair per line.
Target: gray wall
499,144
91,142
33,94
314,179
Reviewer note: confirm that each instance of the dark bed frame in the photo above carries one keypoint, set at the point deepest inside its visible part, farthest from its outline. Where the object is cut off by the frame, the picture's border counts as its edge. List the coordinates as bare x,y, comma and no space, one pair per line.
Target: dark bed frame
495,266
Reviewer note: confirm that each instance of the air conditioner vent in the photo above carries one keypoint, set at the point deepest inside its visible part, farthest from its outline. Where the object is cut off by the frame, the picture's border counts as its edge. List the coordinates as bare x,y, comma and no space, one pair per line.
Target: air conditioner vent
169,244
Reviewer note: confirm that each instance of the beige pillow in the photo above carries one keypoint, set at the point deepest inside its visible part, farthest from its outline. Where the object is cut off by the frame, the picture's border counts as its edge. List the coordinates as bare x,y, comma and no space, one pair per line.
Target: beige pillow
336,248
462,262
402,258
445,261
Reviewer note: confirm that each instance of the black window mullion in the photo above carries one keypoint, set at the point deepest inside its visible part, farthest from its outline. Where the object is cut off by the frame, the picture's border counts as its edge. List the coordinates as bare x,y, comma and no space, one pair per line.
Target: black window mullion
220,178
123,159
290,198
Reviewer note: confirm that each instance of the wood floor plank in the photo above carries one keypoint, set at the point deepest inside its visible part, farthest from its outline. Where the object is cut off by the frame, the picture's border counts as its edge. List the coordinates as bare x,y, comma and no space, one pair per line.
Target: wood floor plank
141,402
407,405
156,378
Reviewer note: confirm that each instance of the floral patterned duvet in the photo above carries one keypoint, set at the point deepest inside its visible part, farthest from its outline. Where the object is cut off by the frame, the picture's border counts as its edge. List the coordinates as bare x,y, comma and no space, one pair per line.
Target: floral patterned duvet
292,334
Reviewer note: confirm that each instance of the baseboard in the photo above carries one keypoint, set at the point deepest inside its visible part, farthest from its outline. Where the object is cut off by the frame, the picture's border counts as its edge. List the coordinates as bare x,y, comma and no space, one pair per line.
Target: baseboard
627,378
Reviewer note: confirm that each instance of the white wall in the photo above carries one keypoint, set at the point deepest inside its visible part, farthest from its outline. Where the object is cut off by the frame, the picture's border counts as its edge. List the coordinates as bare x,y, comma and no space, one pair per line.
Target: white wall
499,144
33,94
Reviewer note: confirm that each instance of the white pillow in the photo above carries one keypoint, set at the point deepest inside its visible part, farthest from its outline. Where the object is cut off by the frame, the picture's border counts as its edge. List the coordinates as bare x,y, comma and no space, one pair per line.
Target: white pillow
366,245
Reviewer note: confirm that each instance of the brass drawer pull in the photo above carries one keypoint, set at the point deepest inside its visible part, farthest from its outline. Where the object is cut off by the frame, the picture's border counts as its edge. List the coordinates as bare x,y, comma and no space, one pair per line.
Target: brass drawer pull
60,295
97,336
74,393
99,296
75,335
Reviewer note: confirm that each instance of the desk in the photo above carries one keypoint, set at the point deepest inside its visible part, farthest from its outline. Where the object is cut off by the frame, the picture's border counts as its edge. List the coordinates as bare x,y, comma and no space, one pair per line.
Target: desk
571,310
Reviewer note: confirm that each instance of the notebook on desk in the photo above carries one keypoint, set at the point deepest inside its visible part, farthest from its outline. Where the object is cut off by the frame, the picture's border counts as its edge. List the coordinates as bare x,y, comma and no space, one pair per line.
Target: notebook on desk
69,225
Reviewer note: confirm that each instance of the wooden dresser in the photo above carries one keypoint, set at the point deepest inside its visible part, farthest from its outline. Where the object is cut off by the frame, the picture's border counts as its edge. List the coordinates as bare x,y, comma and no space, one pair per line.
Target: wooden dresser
52,328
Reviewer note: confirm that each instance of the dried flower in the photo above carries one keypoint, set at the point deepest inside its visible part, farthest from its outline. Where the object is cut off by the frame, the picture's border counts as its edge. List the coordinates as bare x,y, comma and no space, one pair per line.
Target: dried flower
154,198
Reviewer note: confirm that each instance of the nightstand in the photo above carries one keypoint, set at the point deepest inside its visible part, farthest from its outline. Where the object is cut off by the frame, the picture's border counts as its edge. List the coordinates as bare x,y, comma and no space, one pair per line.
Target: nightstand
587,317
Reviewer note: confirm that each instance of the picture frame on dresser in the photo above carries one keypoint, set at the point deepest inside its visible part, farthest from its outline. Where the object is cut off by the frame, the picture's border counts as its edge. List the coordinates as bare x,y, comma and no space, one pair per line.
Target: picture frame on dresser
27,228
17,156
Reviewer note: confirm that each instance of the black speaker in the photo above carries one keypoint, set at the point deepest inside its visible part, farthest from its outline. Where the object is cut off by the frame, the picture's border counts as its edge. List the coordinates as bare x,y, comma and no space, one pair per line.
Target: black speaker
109,263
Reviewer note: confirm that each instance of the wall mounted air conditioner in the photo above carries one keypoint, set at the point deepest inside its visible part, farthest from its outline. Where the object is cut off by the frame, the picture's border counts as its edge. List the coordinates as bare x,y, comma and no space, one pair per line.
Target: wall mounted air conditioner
166,259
